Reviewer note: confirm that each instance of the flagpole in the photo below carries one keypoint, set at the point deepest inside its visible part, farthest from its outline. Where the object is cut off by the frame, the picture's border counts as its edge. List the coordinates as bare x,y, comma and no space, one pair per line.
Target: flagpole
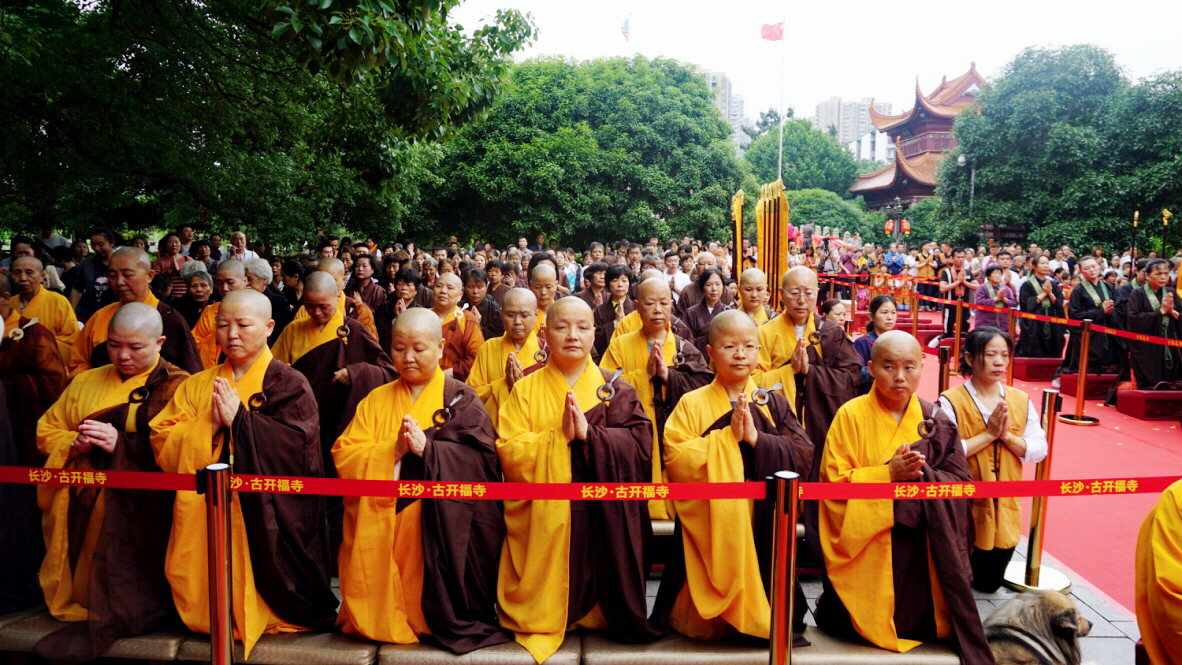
783,57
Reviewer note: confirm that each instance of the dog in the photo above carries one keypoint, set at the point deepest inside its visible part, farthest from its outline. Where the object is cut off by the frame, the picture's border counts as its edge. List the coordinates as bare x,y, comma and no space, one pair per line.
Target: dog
1037,628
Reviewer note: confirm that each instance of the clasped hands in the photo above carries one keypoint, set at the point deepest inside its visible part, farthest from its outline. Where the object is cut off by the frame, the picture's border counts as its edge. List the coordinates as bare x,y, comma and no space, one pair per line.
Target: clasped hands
656,363
574,421
92,433
410,438
743,422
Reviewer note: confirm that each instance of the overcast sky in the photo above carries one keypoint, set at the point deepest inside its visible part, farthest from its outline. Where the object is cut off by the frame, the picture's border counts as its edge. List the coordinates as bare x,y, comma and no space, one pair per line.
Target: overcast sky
852,49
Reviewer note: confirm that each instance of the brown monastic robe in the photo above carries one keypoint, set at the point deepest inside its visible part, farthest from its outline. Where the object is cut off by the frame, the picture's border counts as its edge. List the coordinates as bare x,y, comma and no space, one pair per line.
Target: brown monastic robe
33,376
21,544
692,295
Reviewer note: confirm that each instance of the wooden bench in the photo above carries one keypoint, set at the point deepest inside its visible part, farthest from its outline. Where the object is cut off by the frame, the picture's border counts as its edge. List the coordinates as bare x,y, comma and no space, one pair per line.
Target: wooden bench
570,653
825,650
290,649
1096,387
1150,404
20,636
1036,369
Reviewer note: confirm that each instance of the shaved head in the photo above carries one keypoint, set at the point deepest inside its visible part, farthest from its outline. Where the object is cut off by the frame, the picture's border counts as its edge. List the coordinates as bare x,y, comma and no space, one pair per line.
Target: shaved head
232,267
731,321
651,273
519,297
897,344
798,294
566,304
419,320
450,277
543,271
246,301
800,276
332,266
653,287
29,261
138,318
754,276
321,283
133,255
5,285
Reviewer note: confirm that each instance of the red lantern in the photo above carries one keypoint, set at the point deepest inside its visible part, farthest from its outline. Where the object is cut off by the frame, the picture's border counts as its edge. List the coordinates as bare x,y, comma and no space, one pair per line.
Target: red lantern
906,226
890,227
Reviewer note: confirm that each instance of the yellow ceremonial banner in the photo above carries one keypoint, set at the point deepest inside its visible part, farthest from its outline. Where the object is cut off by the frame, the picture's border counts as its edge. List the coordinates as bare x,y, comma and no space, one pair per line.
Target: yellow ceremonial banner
737,248
771,220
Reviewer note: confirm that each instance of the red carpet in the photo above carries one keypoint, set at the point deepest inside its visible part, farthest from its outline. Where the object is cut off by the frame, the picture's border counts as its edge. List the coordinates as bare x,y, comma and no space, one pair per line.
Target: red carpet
1096,536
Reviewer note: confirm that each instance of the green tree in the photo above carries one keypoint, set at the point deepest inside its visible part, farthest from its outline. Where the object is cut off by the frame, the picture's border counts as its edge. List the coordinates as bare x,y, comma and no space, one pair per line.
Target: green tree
821,207
812,159
138,115
611,148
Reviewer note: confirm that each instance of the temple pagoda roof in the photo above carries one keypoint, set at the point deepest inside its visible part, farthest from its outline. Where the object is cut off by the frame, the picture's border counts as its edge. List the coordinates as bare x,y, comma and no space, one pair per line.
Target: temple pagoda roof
943,102
920,169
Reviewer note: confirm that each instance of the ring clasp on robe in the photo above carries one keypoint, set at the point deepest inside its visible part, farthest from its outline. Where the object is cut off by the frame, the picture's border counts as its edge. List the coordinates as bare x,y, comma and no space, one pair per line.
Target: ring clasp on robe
139,395
607,391
926,428
256,401
343,333
761,396
442,416
814,337
540,356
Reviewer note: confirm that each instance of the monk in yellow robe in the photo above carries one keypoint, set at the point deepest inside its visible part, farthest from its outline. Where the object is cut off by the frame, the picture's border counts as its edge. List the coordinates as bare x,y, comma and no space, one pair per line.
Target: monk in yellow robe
543,281
754,296
261,418
461,329
130,272
573,564
501,361
718,579
660,365
414,568
350,308
104,563
230,276
897,571
34,301
1159,568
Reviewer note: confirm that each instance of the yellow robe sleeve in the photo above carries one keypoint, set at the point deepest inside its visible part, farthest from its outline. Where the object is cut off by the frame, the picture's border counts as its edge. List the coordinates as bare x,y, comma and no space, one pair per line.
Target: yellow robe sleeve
1158,586
205,335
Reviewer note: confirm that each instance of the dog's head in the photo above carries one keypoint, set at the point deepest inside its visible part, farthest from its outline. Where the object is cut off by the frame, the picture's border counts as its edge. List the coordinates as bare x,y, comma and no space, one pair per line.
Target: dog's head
1049,616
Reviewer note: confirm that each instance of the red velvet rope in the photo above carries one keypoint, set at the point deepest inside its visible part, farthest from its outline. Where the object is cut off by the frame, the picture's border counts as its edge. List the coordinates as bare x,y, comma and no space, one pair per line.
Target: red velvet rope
589,491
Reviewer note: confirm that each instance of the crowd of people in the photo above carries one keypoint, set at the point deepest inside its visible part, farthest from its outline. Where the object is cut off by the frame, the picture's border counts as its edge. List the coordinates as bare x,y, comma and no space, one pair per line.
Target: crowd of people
625,363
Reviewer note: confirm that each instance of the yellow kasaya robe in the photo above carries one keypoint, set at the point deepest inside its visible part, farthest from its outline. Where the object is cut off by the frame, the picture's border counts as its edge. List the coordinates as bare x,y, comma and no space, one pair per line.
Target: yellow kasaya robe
631,322
534,580
777,343
303,335
1158,585
361,312
856,535
381,559
52,311
181,436
95,333
630,353
723,586
66,588
205,335
488,370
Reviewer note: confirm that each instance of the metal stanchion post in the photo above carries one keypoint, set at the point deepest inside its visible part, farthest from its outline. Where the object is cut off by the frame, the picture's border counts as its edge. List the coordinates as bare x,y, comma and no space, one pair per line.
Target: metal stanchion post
957,331
784,565
1011,328
214,482
944,354
1032,574
1085,341
913,303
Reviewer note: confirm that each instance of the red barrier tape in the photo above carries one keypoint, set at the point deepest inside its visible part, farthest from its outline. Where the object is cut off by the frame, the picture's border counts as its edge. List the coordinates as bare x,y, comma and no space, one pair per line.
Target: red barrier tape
589,491
1138,337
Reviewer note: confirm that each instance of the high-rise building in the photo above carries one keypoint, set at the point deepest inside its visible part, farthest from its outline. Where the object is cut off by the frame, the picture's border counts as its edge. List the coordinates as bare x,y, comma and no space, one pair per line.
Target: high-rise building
729,104
850,119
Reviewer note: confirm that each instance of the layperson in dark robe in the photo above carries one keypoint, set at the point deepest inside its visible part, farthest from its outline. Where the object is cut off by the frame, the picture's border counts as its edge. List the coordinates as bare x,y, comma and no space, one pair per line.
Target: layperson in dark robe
259,275
104,566
482,306
718,581
261,417
957,283
595,293
1152,310
1040,294
21,545
660,364
915,552
406,286
698,317
198,293
496,288
568,564
692,294
1093,299
364,283
615,308
130,273
416,569
461,331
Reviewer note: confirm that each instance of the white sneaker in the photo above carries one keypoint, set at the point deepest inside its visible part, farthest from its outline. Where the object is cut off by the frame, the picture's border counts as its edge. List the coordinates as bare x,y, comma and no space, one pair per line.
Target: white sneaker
1055,383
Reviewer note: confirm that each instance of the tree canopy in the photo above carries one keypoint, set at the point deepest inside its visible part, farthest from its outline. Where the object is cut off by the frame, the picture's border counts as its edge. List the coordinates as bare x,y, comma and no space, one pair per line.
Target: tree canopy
812,159
1065,145
141,115
610,148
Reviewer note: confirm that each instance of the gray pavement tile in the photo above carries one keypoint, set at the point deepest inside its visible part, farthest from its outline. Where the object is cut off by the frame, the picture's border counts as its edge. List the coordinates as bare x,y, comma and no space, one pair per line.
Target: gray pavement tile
1102,628
1094,601
985,608
1107,650
811,588
1129,628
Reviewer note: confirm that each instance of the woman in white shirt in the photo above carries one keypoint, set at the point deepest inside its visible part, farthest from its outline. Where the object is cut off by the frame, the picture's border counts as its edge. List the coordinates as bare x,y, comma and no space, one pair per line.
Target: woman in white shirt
999,429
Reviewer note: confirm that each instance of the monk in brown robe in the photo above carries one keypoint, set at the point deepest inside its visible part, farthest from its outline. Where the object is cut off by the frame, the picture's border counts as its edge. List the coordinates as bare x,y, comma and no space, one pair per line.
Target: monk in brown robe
104,564
261,417
420,569
130,272
897,571
569,564
461,330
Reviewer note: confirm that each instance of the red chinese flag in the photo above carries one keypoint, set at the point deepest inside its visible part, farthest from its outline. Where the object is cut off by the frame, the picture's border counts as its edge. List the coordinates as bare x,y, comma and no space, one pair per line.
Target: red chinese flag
772,32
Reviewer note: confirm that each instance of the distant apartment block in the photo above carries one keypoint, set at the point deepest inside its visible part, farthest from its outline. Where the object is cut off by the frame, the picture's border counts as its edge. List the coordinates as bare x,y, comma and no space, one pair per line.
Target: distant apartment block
851,119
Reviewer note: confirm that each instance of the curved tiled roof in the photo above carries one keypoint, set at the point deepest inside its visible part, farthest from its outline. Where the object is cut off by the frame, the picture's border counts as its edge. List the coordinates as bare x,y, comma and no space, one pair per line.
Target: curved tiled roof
944,102
921,169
